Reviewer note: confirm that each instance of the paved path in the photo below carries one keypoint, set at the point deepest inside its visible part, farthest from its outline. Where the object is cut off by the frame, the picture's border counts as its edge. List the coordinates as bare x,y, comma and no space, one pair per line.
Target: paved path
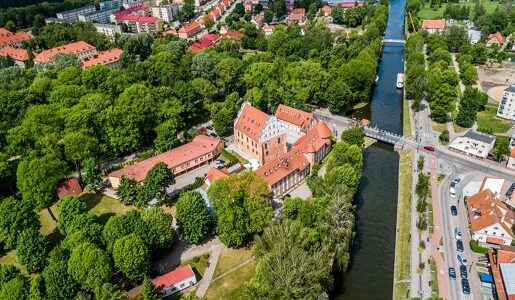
443,288
233,269
204,283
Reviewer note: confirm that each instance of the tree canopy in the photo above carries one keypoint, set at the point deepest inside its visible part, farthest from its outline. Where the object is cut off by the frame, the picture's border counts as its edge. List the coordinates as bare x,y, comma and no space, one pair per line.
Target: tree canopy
193,217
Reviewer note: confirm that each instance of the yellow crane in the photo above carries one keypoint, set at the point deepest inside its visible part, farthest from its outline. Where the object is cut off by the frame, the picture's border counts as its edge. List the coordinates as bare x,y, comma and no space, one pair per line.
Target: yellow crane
412,24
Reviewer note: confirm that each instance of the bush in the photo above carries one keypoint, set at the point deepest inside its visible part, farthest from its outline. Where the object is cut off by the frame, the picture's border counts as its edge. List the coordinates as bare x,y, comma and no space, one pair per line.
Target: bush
232,159
474,246
444,137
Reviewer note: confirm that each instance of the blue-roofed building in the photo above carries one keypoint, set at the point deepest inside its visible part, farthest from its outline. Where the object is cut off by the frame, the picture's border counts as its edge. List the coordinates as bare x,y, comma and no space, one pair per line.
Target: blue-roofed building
508,276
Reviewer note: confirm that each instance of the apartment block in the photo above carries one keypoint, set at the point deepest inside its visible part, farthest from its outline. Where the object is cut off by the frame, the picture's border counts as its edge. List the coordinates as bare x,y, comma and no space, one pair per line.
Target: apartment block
73,15
166,13
109,30
99,16
506,109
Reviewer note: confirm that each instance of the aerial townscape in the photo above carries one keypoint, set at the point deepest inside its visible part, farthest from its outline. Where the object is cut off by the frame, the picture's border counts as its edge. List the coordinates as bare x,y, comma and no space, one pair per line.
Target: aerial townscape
257,149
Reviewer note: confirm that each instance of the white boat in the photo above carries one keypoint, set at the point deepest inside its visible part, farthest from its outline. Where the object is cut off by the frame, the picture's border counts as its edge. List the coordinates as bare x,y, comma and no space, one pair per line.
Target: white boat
377,78
400,80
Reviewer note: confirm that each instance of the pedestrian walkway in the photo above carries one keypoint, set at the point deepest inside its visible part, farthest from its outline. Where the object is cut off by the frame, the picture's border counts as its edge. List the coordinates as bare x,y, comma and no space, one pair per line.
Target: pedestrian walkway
233,269
204,283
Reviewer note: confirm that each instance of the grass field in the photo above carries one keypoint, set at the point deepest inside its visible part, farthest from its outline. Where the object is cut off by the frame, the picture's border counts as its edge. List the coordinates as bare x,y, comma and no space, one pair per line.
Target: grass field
402,243
198,264
406,126
486,121
428,13
434,278
439,127
9,258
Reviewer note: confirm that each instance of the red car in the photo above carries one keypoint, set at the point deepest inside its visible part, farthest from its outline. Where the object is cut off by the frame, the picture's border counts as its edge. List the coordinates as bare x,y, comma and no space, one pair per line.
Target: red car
429,148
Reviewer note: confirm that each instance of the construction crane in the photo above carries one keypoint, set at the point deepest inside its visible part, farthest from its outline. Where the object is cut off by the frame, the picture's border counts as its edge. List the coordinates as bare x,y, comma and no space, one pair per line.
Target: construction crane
412,24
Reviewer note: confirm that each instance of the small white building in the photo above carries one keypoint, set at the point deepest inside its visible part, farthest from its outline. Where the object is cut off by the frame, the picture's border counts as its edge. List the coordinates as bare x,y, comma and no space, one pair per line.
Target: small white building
474,144
166,13
175,281
109,30
506,109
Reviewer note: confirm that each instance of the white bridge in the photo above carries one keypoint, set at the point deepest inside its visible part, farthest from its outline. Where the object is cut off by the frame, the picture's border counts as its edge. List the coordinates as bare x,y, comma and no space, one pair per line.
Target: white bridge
396,41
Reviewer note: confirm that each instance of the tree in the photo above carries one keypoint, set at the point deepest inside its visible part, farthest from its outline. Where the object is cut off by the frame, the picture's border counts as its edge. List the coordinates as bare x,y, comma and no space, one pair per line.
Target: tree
187,11
92,177
9,25
32,250
501,148
110,291
37,179
166,135
159,234
131,256
127,190
468,74
269,16
203,65
224,113
7,273
15,289
228,73
338,95
90,266
59,284
456,38
37,288
149,291
241,206
353,136
15,216
444,136
193,217
137,45
158,179
69,208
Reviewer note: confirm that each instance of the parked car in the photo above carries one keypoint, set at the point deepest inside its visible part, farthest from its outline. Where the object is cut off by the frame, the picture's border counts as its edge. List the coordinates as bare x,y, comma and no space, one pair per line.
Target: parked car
452,194
429,148
452,273
209,127
457,179
459,246
454,210
465,286
463,271
453,184
457,233
213,135
462,260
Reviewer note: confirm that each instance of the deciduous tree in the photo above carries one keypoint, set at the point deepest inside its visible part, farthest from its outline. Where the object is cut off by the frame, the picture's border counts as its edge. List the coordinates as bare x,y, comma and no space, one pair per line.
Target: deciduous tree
32,250
193,217
15,216
59,284
90,266
131,256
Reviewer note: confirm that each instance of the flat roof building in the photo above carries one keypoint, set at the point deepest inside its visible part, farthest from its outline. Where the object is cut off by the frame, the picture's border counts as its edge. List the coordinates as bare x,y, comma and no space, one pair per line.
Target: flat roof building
73,15
474,144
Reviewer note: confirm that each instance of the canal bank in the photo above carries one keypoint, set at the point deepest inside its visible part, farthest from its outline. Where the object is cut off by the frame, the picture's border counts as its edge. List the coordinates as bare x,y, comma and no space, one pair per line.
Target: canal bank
371,270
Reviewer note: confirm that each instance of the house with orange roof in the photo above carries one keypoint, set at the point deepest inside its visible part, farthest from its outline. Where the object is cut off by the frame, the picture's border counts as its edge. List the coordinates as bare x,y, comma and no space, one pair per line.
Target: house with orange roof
248,5
110,58
297,16
81,49
511,160
189,30
258,135
201,151
490,219
495,39
434,26
296,122
502,266
258,20
288,170
327,11
20,56
15,40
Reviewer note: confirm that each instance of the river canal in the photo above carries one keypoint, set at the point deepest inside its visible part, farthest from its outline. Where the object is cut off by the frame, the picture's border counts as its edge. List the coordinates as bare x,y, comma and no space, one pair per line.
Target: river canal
370,274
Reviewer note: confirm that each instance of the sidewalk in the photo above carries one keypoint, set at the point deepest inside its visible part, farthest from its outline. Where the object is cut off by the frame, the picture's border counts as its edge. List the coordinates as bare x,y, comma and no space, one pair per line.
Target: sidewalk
204,283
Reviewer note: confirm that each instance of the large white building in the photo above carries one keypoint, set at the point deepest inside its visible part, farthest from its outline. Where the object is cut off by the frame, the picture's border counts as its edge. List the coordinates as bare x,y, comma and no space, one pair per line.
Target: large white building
99,16
109,30
73,15
506,108
475,144
166,13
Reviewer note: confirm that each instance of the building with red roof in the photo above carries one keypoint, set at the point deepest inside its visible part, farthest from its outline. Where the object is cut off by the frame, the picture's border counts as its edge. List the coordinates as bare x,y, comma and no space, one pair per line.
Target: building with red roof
297,15
8,38
296,122
495,39
490,219
20,56
201,151
109,58
259,135
502,266
288,170
434,26
139,24
248,5
231,35
69,187
258,20
189,30
170,283
327,11
81,49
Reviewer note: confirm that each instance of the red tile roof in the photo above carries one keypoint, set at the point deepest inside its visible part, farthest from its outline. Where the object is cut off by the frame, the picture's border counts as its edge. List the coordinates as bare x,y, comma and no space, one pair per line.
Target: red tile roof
504,255
15,53
350,4
493,240
201,145
69,187
174,277
189,27
251,122
139,19
9,38
297,14
73,48
498,36
512,153
131,10
485,210
232,35
327,10
433,24
214,174
103,58
294,116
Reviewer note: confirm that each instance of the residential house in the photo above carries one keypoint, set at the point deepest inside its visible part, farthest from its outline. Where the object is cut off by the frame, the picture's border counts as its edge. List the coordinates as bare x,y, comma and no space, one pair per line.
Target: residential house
258,20
346,4
288,170
109,30
248,5
327,11
502,266
110,58
506,109
268,29
296,122
474,36
511,160
207,41
258,135
15,40
69,187
201,151
224,29
298,15
495,39
99,16
20,56
434,26
73,15
189,30
170,283
166,13
138,24
490,219
81,49
474,144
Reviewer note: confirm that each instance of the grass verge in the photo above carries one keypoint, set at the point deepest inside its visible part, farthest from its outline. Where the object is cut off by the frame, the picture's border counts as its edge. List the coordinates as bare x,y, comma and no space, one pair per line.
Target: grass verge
430,218
488,122
434,277
474,246
402,239
428,13
198,264
406,126
439,127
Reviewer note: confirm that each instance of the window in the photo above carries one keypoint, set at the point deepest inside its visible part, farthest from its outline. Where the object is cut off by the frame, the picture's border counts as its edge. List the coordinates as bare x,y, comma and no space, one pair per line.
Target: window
279,140
182,285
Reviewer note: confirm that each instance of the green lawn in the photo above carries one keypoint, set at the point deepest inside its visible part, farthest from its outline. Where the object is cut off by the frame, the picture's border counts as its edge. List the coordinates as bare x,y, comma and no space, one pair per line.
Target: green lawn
487,121
198,264
434,277
428,13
